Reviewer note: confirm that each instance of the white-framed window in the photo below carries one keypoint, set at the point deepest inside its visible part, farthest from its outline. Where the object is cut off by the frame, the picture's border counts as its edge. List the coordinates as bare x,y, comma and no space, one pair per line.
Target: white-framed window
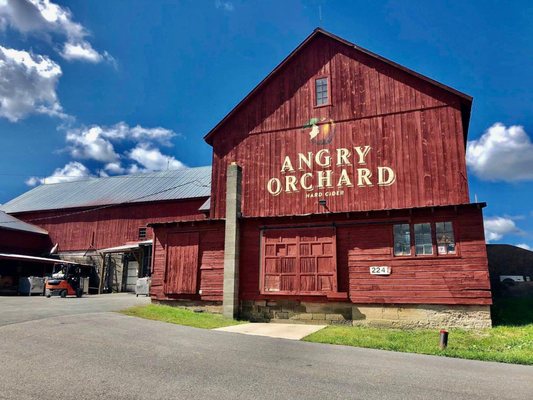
423,239
445,238
402,240
321,92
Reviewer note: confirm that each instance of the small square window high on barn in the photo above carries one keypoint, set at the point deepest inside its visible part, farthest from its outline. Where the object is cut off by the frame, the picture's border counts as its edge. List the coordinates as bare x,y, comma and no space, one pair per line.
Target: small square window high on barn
321,92
142,234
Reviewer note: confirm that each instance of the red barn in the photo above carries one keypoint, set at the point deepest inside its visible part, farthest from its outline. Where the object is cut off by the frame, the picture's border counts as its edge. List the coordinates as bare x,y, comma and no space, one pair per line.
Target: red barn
104,221
339,193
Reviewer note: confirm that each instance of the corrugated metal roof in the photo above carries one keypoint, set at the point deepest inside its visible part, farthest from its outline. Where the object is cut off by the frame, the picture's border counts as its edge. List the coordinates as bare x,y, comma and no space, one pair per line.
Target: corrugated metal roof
185,183
10,222
206,206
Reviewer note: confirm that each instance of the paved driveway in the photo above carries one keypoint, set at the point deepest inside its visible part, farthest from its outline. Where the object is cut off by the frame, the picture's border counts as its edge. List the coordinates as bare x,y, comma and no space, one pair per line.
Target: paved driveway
15,309
105,355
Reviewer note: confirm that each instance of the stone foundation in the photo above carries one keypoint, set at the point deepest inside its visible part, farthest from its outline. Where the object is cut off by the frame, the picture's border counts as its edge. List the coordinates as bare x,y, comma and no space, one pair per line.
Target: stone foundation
296,312
422,316
394,315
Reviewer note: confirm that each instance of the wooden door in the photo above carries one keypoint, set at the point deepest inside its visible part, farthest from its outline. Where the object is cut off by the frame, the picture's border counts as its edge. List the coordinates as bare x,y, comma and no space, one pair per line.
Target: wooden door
299,261
182,263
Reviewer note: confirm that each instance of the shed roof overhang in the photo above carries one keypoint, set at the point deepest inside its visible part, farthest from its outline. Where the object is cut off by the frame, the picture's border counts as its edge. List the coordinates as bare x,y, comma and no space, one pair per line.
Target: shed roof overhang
45,260
127,248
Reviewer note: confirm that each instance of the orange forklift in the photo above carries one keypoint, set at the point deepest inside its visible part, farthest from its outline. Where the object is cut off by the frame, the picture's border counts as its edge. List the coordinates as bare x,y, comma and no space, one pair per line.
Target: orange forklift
67,280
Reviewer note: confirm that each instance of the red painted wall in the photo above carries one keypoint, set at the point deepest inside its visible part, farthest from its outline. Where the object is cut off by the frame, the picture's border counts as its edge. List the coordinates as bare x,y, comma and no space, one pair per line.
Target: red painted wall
20,242
361,241
412,127
210,261
453,279
81,229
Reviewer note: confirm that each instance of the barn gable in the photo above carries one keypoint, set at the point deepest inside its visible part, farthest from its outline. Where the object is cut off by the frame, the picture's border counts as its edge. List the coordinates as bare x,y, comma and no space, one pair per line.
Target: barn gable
373,87
414,128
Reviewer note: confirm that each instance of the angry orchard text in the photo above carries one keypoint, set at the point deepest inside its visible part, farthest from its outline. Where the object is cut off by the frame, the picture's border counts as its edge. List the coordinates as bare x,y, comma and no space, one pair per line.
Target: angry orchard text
342,168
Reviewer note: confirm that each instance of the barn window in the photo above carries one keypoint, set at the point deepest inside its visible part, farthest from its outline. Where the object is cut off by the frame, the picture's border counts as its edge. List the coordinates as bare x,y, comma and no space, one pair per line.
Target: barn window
142,233
423,239
321,92
445,238
299,261
402,240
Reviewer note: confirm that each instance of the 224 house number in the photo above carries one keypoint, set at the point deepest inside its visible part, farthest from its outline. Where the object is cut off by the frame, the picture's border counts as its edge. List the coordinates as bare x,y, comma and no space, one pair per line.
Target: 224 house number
380,270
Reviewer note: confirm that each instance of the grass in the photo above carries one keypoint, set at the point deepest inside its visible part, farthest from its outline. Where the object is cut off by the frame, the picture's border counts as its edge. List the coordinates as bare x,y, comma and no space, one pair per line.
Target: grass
509,341
181,316
503,344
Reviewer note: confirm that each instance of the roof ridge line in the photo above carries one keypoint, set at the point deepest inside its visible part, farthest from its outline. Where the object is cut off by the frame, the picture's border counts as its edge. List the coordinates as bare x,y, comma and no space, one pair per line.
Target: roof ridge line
318,30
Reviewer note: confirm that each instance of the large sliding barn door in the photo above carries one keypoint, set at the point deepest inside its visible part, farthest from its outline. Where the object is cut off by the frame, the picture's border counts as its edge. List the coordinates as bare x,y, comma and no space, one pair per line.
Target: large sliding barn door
182,263
299,261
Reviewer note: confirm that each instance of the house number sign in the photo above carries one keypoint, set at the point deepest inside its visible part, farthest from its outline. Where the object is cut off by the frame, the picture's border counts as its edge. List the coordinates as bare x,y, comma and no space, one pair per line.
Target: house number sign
380,270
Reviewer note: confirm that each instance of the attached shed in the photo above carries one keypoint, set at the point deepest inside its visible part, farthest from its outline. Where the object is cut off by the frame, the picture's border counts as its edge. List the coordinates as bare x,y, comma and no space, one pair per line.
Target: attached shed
21,244
97,220
17,236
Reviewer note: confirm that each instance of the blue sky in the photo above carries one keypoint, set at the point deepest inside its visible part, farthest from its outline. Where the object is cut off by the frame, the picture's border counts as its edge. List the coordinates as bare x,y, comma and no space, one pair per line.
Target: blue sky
107,87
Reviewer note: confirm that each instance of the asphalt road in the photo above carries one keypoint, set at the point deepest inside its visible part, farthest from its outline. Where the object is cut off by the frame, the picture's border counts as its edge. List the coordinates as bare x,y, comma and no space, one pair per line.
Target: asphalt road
16,309
104,355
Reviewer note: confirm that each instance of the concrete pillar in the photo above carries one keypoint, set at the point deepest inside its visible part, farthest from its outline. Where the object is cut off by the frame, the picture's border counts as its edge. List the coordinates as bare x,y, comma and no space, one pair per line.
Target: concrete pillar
230,301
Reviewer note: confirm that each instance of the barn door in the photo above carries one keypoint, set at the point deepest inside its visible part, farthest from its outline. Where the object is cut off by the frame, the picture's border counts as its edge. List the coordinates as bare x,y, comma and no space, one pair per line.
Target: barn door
182,263
299,261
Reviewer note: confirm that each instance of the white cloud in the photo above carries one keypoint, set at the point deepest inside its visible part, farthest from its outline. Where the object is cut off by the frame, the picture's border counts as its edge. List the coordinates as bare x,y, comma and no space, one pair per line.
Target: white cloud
45,16
122,131
151,159
114,168
91,144
72,171
497,227
225,5
501,154
83,50
28,84
524,246
95,142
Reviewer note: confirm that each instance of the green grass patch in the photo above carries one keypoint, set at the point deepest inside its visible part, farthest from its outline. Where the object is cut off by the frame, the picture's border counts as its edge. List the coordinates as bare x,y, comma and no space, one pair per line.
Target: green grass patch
180,316
509,341
509,344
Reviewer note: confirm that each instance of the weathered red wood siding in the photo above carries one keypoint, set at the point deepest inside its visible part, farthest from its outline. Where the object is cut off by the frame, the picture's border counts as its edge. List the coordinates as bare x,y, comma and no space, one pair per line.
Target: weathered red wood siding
412,126
82,229
20,242
210,261
453,279
182,263
363,242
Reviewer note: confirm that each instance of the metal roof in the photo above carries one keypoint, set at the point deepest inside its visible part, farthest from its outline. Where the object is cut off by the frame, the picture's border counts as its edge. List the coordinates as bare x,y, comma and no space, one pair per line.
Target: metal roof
206,206
10,222
23,257
184,183
126,247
